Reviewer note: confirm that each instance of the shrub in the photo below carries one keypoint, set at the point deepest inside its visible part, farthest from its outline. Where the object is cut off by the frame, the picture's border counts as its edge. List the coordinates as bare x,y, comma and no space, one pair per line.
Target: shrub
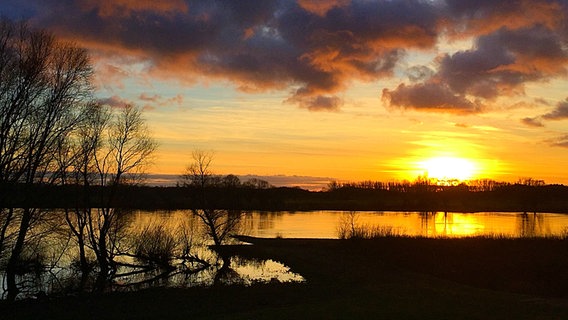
156,244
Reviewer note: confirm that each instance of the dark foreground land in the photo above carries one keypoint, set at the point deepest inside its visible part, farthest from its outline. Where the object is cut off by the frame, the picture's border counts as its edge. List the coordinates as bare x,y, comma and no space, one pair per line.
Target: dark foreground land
386,278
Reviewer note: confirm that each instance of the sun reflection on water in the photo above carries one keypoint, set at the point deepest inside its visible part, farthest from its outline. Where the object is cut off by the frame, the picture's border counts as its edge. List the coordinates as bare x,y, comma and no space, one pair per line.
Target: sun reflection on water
324,224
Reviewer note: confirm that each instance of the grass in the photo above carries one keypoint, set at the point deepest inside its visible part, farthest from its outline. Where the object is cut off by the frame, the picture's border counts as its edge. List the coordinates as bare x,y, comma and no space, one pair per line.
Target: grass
382,278
156,244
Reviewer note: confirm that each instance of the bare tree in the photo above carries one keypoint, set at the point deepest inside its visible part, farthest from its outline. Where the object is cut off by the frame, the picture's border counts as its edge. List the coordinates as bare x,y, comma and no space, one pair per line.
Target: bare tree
42,81
256,183
219,223
77,167
50,132
198,173
124,155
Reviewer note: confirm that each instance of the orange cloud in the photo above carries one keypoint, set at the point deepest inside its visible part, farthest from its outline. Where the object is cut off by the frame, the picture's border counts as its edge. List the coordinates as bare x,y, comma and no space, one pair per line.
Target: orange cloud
316,49
114,102
321,7
121,8
433,97
469,18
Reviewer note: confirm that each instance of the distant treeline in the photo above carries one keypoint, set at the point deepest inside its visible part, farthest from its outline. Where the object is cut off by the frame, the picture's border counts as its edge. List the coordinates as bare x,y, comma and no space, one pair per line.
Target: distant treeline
486,195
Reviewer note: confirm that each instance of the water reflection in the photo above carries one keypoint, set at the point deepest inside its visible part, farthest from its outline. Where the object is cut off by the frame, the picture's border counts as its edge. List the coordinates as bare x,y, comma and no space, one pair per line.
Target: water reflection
160,248
52,263
324,224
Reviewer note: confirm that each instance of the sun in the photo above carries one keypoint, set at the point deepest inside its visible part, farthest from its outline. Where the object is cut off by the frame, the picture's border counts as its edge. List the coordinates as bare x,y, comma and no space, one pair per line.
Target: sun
449,168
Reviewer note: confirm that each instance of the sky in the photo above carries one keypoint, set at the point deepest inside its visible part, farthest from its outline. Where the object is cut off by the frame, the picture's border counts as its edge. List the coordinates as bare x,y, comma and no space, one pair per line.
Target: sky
345,89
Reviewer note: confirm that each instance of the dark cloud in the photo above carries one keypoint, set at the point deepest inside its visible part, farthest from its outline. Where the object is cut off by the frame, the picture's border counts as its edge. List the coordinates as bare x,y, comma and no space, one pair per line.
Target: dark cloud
319,47
561,112
560,142
532,122
485,16
430,97
317,103
503,61
321,7
499,64
150,98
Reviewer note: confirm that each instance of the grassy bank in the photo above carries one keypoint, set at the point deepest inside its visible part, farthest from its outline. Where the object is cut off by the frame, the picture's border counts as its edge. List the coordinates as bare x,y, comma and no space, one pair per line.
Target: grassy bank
387,278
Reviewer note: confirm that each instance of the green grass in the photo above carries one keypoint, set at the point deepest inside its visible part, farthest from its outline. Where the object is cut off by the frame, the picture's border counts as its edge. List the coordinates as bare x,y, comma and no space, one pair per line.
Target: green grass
383,278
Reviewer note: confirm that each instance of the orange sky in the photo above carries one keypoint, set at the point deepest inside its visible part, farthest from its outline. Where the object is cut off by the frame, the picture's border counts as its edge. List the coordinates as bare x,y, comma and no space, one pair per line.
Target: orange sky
349,90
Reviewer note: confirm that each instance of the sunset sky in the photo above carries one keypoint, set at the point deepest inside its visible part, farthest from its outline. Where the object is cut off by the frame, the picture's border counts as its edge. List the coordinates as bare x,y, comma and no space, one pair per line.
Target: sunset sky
347,90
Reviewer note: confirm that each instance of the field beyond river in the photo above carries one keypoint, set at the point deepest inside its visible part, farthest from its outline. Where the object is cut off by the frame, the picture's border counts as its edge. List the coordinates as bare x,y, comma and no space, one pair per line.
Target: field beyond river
384,278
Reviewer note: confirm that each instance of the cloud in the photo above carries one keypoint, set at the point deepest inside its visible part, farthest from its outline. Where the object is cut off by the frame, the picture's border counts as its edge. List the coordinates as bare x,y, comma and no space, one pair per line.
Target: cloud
320,47
419,73
503,61
177,100
150,98
561,112
499,64
486,16
560,142
532,122
432,97
152,101
114,102
317,47
121,8
317,103
110,76
321,7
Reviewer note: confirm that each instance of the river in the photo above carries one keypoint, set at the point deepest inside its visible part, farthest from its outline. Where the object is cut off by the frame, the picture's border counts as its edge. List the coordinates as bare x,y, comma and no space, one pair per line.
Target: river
58,254
325,224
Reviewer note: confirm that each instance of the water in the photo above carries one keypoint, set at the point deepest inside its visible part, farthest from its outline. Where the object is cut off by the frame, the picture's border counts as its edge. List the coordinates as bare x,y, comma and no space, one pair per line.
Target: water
58,251
324,224
53,255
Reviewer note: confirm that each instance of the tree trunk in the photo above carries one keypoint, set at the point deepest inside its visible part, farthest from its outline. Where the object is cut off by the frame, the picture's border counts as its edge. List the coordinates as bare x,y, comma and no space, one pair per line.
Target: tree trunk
5,226
12,266
82,255
102,259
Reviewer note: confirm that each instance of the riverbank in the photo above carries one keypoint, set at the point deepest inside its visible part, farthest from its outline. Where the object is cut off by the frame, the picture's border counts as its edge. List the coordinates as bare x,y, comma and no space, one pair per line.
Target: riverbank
417,197
389,278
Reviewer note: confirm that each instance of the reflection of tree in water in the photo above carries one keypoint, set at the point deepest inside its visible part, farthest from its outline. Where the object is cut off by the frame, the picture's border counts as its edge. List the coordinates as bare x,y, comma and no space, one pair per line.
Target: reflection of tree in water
152,254
427,223
226,275
531,225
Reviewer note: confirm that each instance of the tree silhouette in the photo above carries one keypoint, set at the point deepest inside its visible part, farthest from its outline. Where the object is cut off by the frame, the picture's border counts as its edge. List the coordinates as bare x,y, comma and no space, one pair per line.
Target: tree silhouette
120,159
42,84
219,223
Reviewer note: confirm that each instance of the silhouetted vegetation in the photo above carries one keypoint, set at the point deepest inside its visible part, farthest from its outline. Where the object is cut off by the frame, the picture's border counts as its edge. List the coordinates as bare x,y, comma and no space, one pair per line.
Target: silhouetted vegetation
61,149
390,278
52,133
350,228
403,196
155,244
44,89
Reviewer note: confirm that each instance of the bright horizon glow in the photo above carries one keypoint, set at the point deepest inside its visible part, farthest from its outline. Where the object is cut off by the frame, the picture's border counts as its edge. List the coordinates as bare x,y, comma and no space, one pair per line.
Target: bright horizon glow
449,168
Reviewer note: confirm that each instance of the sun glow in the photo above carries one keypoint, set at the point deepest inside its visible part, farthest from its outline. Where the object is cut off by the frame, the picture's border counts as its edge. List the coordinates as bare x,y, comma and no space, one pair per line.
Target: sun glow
449,168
